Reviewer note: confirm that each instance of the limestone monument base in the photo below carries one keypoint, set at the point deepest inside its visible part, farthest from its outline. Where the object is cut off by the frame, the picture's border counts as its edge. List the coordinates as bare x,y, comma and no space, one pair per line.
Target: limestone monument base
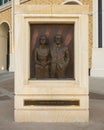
64,100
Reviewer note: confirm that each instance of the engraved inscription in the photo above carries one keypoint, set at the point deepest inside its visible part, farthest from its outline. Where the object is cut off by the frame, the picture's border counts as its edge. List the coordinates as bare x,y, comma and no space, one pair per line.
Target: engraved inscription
51,102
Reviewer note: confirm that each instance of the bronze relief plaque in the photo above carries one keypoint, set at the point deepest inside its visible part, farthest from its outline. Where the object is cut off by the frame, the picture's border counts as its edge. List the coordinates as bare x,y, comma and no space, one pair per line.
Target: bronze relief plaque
52,51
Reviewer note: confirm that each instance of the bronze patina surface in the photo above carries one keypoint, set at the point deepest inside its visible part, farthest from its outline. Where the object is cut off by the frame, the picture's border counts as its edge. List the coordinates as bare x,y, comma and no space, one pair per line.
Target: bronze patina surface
51,51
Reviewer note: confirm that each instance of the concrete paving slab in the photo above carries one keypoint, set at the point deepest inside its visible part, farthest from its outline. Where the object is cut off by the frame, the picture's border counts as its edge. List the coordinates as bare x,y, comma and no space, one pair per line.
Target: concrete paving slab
4,97
96,96
96,85
5,75
8,85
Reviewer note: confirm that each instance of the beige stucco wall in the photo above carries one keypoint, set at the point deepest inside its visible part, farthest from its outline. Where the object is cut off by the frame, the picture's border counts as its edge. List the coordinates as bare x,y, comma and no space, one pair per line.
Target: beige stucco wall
6,16
89,2
44,2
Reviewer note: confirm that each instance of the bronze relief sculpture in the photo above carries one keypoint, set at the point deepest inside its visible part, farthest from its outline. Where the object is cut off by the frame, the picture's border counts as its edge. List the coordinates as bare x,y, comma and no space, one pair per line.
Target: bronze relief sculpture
42,58
59,58
51,62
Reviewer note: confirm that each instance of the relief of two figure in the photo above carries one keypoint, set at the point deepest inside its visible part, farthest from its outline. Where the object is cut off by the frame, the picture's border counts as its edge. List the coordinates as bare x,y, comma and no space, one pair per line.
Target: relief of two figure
51,62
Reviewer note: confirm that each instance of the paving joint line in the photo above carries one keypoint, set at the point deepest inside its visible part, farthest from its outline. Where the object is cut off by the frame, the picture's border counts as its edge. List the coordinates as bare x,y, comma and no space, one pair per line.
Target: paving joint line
6,92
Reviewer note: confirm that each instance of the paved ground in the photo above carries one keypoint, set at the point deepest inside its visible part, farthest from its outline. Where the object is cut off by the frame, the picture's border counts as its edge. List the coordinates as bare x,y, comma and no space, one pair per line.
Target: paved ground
6,108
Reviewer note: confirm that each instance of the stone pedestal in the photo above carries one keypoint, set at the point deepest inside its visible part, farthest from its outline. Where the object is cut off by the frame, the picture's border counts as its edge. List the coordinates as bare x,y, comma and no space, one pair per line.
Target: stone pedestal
50,100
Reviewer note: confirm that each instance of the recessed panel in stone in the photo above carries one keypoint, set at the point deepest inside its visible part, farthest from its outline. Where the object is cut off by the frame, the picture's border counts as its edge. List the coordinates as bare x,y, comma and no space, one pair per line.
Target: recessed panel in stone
52,51
51,102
